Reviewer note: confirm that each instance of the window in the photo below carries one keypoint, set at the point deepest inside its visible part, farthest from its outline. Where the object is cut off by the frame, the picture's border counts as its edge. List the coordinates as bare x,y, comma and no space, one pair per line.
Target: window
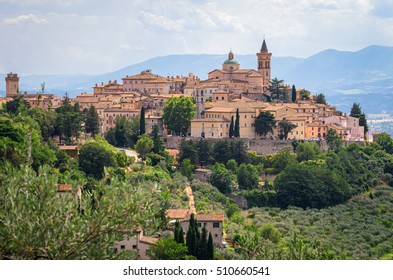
133,246
222,98
199,224
216,225
122,247
216,235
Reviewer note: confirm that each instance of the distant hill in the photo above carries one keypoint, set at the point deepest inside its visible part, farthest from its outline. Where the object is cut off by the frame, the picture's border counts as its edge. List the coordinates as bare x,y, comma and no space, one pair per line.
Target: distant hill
345,77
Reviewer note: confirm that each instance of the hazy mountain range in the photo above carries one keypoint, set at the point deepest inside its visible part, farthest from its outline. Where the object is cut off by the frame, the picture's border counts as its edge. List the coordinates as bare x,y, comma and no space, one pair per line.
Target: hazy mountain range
365,76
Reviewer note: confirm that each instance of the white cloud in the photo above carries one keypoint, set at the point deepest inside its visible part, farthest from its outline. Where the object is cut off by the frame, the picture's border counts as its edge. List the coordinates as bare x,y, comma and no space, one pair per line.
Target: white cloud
24,19
100,36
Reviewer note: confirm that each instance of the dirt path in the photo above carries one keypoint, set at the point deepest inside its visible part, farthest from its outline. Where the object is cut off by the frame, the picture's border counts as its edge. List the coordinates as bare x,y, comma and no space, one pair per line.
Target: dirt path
191,202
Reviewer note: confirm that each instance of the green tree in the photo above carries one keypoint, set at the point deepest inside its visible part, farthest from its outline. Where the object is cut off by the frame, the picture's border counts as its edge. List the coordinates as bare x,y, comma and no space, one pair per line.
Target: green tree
186,168
158,146
142,122
333,140
231,128
386,142
188,149
144,146
202,245
221,178
356,112
320,99
278,89
68,122
177,114
205,151
293,93
93,157
210,248
167,249
282,159
236,132
309,185
16,105
306,151
46,119
221,151
191,237
247,176
37,223
232,165
285,127
125,133
264,123
305,94
92,121
270,232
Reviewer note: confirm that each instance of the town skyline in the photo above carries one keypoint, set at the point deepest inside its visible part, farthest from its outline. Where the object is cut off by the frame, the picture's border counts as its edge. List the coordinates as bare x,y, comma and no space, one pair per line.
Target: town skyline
85,37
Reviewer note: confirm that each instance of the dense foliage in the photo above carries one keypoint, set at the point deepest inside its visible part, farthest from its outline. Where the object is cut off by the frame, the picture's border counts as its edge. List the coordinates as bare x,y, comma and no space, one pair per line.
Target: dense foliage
177,114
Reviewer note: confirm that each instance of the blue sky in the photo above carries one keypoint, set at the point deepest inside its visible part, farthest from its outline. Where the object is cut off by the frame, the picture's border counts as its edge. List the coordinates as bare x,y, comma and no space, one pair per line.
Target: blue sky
92,37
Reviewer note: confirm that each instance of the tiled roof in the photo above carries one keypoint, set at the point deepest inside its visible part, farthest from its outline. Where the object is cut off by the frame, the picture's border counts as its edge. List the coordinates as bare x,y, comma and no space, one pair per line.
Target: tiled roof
208,217
64,188
148,239
177,214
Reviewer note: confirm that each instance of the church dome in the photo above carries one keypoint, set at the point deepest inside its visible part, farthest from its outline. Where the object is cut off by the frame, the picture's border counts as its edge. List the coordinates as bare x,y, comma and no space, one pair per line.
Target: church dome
231,59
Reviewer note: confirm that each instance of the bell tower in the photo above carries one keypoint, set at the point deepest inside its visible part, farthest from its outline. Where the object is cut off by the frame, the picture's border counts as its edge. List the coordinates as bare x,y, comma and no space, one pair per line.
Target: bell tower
12,85
264,57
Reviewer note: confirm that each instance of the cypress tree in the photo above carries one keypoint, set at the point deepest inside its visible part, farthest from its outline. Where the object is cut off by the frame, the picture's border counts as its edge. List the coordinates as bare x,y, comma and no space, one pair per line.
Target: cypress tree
158,145
237,124
293,93
231,128
190,241
142,122
202,248
181,236
210,249
176,231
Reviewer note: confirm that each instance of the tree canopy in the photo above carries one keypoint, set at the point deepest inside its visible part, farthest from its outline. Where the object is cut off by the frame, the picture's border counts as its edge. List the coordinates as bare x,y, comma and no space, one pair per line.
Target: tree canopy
38,223
177,114
264,123
285,127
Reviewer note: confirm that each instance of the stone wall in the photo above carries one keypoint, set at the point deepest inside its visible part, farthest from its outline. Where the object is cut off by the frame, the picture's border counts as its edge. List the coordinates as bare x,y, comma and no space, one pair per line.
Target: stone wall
261,147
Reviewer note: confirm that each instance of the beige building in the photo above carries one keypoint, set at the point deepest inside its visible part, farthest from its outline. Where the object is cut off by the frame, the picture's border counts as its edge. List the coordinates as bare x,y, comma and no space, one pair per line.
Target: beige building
111,114
352,130
212,222
245,80
216,121
138,243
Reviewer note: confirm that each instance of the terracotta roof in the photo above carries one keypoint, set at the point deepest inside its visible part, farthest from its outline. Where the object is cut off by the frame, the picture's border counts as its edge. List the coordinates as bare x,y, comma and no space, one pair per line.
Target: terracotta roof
208,217
148,239
173,152
177,214
120,110
64,188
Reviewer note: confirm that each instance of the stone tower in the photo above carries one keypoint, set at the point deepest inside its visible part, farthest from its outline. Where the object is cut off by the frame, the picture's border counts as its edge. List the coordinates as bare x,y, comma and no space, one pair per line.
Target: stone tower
264,57
12,85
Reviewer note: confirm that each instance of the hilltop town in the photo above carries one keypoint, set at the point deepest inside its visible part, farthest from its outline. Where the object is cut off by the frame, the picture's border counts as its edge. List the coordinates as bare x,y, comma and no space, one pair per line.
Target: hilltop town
217,99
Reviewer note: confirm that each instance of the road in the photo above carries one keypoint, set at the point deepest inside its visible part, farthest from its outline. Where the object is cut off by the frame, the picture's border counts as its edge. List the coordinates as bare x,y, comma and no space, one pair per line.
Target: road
130,153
